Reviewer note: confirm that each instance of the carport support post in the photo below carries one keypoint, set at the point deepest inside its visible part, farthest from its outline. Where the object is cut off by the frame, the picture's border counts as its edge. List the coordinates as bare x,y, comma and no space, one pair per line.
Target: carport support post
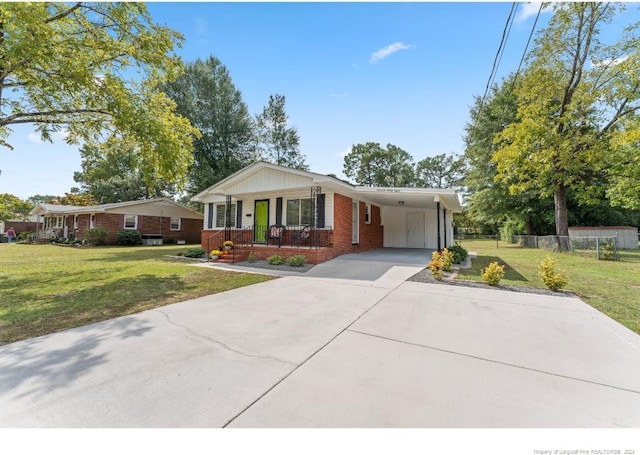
444,224
438,215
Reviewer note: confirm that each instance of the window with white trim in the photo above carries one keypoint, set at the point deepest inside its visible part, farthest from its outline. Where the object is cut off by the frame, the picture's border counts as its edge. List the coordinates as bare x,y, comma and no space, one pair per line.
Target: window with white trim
221,212
175,224
92,221
75,221
299,212
131,221
367,213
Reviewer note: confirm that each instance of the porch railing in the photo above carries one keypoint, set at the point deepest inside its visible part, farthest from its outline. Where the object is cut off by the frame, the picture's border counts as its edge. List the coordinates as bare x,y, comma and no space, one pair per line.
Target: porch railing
290,236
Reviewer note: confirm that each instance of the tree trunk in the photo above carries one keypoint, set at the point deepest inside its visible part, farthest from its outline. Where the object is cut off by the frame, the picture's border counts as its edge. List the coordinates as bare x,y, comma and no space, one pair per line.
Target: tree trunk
561,215
529,225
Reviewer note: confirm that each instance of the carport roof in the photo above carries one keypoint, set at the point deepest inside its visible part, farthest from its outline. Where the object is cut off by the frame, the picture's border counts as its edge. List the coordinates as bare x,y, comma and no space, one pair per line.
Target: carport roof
411,197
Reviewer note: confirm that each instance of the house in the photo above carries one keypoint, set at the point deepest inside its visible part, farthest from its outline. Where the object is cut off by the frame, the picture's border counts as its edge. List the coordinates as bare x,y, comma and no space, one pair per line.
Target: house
160,219
268,209
28,224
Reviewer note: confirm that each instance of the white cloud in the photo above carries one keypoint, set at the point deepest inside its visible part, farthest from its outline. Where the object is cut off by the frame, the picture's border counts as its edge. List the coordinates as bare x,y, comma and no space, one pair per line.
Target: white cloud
345,153
530,9
387,51
34,138
609,62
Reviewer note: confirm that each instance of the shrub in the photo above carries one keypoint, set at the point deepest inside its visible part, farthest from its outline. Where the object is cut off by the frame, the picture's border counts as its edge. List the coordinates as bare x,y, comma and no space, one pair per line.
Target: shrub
24,236
446,257
252,257
297,261
128,237
609,251
96,236
276,259
194,253
436,269
551,278
459,253
493,274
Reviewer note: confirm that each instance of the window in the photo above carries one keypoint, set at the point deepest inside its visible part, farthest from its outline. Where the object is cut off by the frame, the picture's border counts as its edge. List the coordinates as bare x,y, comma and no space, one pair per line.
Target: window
299,212
367,213
130,221
221,215
175,224
75,222
53,222
92,221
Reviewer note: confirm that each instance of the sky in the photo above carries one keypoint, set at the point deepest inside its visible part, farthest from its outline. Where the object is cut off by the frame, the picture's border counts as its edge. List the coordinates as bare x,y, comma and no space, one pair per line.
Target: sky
399,73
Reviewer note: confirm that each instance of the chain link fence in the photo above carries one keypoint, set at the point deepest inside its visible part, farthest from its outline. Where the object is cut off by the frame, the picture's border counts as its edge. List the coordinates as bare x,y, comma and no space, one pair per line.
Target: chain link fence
601,248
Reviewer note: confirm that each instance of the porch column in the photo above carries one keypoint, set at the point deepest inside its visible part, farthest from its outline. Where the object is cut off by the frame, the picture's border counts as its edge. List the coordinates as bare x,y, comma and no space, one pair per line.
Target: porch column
438,215
227,221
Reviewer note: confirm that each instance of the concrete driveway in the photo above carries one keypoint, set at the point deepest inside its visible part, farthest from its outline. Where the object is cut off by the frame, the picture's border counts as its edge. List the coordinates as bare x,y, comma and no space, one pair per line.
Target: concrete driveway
306,351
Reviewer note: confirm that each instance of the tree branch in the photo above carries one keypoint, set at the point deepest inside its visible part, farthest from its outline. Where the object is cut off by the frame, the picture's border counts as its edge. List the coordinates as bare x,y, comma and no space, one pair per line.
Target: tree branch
64,13
41,117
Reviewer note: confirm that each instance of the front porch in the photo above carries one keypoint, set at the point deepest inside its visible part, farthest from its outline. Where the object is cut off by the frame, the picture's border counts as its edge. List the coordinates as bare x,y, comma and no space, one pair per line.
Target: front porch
316,244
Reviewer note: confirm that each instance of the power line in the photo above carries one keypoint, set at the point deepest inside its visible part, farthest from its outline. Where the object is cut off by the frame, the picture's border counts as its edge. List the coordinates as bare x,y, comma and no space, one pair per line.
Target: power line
524,53
498,57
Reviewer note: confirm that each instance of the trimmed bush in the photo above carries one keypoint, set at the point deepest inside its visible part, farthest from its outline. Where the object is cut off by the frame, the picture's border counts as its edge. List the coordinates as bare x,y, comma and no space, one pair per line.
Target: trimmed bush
96,236
493,274
128,237
459,253
276,259
194,253
297,261
252,257
551,278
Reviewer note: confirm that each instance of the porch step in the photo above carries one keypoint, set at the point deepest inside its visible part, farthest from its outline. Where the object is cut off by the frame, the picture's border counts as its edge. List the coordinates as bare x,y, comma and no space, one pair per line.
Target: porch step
230,258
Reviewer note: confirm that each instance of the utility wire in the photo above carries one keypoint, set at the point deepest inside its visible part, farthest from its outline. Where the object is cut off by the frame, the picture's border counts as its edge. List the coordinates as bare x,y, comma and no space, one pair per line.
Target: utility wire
496,60
524,54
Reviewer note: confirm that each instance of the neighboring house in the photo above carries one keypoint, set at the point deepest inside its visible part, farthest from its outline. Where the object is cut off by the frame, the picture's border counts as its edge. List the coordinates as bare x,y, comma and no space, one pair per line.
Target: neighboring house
29,224
321,217
159,217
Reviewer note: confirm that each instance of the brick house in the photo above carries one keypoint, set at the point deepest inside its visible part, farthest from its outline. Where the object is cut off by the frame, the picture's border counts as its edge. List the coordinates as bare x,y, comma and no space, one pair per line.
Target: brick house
268,209
158,217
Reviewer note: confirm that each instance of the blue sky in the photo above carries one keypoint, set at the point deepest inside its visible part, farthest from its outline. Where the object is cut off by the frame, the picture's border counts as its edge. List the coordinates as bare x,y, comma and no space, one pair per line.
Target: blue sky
400,73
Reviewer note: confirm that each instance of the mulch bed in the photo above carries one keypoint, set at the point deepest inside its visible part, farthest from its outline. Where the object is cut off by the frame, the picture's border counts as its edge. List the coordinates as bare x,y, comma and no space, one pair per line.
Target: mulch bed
425,276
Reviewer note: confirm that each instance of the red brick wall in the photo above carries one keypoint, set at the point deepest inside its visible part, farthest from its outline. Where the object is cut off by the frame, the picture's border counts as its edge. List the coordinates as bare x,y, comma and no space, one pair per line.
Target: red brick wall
371,235
189,228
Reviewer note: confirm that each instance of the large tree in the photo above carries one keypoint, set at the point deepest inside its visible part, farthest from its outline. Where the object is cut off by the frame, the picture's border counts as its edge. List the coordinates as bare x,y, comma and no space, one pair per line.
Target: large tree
577,113
93,70
370,164
117,176
206,95
13,208
489,201
439,171
277,142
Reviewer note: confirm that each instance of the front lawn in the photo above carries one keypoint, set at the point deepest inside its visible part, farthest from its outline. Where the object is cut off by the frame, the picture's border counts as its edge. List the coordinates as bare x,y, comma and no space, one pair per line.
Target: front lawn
47,288
610,287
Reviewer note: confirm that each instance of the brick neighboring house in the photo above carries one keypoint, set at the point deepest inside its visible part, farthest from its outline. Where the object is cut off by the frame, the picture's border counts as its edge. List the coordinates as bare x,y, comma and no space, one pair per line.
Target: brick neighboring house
320,216
158,217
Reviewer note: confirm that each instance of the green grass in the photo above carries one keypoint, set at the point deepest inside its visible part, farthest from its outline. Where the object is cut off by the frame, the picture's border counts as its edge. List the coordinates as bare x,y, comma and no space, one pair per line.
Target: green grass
610,287
47,288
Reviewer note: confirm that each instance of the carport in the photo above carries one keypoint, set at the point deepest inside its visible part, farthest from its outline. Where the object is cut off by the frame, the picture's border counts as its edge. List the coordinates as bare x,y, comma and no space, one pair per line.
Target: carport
415,217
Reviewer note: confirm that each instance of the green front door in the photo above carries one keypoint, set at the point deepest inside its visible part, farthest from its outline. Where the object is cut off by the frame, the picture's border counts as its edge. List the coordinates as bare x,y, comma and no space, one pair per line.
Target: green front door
261,221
